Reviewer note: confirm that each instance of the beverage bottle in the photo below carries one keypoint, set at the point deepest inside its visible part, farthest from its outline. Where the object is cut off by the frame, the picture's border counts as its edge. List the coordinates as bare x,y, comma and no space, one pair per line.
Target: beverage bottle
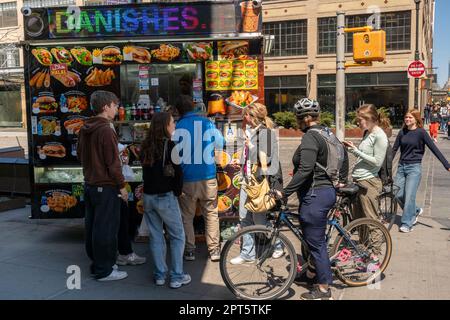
121,113
127,113
133,112
139,112
157,108
151,111
144,112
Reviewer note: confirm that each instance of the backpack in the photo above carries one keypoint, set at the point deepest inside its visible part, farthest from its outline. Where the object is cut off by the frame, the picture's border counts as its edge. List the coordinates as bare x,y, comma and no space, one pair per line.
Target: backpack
385,172
336,154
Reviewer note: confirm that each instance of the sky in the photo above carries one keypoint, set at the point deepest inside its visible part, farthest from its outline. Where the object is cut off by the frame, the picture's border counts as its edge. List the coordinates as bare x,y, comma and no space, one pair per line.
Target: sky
441,50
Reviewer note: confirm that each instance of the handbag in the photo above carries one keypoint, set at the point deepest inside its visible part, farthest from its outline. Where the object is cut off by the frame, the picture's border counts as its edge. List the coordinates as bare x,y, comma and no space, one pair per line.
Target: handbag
258,200
168,169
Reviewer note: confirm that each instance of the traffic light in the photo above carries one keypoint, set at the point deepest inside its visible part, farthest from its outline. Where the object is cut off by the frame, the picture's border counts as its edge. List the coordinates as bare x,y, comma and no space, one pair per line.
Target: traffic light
369,46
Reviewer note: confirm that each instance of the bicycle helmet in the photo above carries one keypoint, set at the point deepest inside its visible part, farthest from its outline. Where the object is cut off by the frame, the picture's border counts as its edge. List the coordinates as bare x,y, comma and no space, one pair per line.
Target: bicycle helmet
305,107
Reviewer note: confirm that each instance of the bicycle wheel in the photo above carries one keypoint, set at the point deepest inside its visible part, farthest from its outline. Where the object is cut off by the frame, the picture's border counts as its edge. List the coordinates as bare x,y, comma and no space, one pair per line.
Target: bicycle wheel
264,277
361,256
387,207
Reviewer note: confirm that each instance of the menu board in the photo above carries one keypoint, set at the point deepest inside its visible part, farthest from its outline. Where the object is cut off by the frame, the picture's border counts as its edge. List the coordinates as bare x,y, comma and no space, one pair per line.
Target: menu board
231,75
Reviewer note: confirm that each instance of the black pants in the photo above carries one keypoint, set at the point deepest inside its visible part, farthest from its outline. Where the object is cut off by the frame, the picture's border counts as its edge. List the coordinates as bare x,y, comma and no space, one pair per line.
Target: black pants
102,226
124,241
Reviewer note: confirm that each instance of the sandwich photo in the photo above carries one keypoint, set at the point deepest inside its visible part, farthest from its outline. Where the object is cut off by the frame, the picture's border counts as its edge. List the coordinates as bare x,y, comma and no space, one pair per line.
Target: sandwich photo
46,104
69,80
230,50
238,65
225,84
225,74
250,64
54,150
82,55
111,56
73,126
212,65
238,83
238,74
138,54
250,74
43,56
225,65
250,83
212,84
62,55
211,74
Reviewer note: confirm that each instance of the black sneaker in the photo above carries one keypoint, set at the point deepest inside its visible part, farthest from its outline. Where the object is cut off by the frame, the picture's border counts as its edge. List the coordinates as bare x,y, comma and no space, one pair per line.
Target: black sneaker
317,294
302,279
189,255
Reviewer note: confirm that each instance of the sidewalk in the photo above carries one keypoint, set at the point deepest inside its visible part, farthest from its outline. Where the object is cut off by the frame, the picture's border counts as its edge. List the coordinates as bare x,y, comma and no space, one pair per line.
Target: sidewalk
34,256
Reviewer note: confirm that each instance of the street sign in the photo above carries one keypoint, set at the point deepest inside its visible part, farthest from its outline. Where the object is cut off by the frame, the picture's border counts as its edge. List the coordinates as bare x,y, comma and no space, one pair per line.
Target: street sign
416,69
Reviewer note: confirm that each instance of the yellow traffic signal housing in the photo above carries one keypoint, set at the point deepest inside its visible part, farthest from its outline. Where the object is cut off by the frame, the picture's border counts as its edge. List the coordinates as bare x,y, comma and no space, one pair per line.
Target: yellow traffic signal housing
369,46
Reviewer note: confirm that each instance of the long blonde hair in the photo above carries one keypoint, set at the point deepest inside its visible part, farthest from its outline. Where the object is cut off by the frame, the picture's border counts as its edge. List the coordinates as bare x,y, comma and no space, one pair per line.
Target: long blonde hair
258,113
370,112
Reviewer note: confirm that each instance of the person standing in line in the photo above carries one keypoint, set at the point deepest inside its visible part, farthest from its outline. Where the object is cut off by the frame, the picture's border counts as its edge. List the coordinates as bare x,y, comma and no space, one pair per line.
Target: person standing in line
261,151
104,185
370,154
444,117
163,181
434,122
411,141
126,254
426,113
197,137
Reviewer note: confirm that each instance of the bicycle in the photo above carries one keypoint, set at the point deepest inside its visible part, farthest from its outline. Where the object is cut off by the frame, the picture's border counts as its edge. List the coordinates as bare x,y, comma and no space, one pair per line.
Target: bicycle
354,258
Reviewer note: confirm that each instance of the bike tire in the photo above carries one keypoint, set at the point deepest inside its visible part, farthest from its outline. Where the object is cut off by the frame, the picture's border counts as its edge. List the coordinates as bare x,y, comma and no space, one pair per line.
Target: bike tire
225,266
391,208
353,225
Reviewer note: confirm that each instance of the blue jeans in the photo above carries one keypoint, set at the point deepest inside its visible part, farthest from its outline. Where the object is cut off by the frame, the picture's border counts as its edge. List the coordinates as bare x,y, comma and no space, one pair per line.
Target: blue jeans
444,123
159,209
314,208
408,180
249,219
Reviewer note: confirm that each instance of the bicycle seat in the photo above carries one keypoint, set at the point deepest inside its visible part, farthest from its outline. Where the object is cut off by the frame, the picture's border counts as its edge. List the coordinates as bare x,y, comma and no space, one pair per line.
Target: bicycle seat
349,190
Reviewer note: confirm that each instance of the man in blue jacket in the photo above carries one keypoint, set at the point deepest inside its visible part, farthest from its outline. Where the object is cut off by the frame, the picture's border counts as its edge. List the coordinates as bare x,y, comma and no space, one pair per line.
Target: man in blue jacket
197,138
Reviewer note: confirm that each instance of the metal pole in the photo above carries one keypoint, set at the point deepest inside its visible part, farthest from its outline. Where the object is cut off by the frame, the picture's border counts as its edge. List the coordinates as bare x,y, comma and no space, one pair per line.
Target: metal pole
417,56
340,76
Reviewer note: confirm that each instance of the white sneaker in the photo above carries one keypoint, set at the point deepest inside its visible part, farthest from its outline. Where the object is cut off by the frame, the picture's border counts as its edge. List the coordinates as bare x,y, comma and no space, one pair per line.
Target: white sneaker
115,275
132,259
278,253
179,283
405,229
417,216
160,282
240,260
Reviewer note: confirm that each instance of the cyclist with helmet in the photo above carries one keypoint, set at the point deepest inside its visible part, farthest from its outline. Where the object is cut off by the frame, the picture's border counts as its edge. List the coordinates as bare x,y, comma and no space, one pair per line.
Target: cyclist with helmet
317,195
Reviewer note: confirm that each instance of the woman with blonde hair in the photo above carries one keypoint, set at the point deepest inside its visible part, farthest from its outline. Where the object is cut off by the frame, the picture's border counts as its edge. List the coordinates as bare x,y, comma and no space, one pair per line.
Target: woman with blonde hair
412,140
260,149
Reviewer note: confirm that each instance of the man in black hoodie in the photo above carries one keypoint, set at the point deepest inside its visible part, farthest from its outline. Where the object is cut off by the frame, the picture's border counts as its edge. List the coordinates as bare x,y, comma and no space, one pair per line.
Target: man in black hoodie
104,185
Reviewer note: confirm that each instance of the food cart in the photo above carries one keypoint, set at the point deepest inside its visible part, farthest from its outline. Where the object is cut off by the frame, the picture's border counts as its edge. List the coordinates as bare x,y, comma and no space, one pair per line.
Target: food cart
139,52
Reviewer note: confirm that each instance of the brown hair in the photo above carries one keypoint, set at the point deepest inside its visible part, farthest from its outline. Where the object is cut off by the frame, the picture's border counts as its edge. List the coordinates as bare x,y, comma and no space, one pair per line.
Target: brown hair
416,114
153,145
258,113
370,112
184,104
100,99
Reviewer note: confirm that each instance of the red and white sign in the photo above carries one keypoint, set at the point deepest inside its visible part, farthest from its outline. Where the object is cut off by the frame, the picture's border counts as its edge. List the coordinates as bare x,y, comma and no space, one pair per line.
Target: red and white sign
416,69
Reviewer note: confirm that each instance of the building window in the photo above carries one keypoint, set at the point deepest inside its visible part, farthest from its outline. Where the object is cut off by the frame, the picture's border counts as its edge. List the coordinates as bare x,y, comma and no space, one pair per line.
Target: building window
11,106
290,37
387,89
47,3
9,57
396,24
281,93
327,35
8,14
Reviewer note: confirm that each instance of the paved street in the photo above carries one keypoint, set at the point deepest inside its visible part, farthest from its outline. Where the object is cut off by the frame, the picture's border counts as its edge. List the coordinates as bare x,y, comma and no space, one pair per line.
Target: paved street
34,255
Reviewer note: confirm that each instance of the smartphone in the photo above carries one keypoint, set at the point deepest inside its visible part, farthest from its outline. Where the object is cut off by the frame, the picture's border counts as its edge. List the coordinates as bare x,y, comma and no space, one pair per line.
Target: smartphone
346,143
